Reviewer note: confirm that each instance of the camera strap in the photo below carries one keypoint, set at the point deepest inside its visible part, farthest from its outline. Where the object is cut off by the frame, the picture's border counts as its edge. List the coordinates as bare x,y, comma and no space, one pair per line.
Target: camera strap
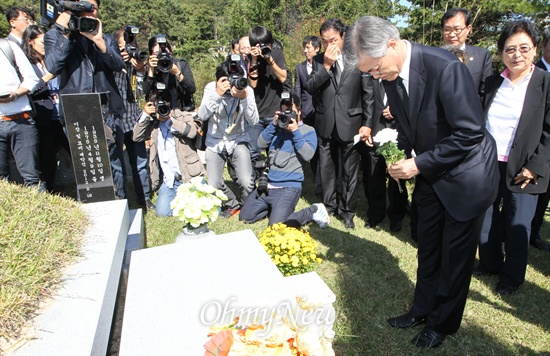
230,112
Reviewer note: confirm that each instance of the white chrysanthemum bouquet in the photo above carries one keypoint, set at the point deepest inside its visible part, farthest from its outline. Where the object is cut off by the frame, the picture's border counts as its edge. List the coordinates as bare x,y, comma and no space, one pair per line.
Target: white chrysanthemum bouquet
387,146
197,203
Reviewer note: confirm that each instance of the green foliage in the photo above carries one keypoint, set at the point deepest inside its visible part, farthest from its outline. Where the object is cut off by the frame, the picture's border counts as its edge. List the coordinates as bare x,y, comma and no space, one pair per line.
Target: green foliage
39,235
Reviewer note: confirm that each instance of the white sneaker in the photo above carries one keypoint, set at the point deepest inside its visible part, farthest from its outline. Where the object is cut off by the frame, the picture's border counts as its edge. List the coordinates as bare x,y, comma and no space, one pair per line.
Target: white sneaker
321,216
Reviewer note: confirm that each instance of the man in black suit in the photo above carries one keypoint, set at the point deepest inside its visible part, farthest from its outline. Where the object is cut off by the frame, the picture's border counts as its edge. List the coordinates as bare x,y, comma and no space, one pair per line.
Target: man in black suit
311,46
544,199
341,98
456,25
374,169
455,166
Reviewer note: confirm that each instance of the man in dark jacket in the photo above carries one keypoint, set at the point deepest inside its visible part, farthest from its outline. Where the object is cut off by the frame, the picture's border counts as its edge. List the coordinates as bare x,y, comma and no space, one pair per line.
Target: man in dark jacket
84,63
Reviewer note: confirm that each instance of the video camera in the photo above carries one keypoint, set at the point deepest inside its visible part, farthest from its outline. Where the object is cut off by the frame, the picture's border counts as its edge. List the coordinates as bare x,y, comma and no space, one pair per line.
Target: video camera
165,61
130,33
163,109
235,78
286,116
51,9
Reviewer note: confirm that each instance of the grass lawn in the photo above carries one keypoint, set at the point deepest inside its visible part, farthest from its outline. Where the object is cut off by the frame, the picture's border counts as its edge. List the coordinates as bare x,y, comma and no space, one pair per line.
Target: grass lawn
372,273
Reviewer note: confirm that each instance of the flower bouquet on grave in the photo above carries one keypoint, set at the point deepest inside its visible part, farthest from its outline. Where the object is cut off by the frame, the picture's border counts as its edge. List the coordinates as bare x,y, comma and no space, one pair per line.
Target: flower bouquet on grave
386,140
197,204
292,250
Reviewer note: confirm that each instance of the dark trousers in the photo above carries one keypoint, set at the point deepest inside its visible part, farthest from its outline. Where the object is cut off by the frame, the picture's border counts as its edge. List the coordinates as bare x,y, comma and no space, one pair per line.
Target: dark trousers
509,222
116,157
279,205
21,138
374,184
339,170
446,253
52,138
536,224
137,155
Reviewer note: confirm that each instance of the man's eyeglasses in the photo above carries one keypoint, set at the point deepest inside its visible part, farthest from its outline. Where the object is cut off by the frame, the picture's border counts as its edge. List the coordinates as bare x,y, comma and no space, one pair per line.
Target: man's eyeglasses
456,31
521,49
25,20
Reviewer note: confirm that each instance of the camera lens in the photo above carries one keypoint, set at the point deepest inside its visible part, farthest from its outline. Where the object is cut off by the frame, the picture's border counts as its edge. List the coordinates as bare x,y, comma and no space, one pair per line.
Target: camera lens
239,82
164,63
163,109
88,25
283,121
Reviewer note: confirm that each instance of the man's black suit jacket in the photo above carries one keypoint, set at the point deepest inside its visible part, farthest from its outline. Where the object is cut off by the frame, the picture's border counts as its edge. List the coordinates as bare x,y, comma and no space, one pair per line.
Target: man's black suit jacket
541,65
445,127
480,66
531,147
347,105
299,89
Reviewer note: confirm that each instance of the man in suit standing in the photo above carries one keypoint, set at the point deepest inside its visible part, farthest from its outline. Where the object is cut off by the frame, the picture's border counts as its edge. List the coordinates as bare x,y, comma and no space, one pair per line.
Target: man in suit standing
311,46
374,169
19,19
455,166
341,98
456,25
544,199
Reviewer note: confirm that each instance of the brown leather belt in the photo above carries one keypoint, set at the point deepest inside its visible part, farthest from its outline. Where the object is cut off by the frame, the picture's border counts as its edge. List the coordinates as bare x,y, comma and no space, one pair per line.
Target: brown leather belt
20,116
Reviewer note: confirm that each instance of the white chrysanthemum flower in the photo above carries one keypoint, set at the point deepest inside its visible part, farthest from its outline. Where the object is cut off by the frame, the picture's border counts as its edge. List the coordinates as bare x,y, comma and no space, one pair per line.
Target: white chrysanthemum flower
385,135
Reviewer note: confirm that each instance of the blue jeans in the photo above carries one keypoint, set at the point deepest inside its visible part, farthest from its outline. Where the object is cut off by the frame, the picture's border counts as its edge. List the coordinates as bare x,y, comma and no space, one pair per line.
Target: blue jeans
279,204
137,155
255,132
21,137
116,155
215,163
165,197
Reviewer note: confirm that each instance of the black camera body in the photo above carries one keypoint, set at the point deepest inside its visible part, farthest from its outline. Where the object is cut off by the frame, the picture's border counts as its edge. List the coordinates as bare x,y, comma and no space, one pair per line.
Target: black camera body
130,33
266,51
285,118
163,109
51,9
165,59
235,78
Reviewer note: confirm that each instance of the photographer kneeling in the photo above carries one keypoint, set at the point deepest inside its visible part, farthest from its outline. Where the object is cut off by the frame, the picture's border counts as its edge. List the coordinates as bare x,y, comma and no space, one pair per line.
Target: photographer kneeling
291,144
229,107
172,154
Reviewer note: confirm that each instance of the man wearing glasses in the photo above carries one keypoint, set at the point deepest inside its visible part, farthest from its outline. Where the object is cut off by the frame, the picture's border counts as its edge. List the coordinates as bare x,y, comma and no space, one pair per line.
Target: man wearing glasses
19,19
456,25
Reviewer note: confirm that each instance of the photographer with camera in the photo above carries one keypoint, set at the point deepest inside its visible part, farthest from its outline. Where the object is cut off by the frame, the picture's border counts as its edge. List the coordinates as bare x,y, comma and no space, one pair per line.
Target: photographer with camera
172,154
84,59
129,83
268,75
229,108
291,144
174,73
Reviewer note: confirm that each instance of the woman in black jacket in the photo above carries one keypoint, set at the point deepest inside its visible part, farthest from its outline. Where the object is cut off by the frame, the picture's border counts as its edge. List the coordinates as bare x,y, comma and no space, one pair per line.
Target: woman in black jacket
46,103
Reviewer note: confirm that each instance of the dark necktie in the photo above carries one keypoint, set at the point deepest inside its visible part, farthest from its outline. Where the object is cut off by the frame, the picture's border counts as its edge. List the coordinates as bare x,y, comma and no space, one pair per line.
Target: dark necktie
337,73
402,91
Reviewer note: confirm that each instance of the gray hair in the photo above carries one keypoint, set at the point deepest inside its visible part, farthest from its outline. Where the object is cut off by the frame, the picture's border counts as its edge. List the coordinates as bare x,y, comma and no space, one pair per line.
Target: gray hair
368,36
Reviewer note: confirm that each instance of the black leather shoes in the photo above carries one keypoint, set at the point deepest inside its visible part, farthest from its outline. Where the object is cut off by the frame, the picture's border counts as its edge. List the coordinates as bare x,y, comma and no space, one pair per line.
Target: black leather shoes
504,289
541,245
406,321
349,224
370,224
395,225
428,338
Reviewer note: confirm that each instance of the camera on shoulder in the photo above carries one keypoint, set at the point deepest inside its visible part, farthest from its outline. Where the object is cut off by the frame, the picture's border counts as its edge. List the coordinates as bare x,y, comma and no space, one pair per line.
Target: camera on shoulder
51,9
130,33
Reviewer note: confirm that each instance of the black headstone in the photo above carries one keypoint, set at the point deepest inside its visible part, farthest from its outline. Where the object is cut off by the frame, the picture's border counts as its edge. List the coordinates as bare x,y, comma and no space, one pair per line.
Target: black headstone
92,168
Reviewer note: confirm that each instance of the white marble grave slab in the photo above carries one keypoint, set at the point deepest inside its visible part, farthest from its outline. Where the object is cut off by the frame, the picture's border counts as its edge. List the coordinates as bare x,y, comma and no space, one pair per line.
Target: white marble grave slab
176,292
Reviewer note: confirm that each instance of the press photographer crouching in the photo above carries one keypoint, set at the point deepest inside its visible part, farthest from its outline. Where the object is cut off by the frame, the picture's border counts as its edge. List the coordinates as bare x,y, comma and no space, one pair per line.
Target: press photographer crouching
174,73
229,107
291,144
173,159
